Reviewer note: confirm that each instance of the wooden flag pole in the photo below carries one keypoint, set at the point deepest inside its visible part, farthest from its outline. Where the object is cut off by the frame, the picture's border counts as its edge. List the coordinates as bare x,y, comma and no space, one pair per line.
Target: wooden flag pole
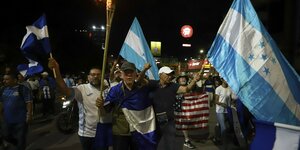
109,17
110,7
54,72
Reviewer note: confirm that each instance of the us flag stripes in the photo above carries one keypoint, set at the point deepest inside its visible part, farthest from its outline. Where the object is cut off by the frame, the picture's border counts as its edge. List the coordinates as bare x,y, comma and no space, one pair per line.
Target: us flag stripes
194,112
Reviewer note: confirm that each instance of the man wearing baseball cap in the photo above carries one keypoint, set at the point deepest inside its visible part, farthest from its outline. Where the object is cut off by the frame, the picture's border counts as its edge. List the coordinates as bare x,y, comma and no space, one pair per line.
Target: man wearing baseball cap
130,93
163,99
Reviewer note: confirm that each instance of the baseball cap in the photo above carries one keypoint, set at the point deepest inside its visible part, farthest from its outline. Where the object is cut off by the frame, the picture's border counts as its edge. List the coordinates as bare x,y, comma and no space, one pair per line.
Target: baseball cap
165,69
183,74
128,66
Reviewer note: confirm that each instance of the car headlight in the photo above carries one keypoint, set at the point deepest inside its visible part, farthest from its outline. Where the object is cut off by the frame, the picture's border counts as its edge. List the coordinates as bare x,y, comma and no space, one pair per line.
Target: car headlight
66,103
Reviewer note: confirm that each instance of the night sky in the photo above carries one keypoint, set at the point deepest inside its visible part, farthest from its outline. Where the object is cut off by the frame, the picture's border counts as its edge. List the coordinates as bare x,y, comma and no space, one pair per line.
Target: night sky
160,20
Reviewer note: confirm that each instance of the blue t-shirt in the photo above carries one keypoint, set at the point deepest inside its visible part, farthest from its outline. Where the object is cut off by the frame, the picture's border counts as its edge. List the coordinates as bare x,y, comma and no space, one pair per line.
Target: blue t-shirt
209,86
136,99
14,103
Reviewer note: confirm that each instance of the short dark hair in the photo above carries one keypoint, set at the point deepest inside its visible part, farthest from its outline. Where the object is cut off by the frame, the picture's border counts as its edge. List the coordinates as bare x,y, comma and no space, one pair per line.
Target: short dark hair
95,67
12,74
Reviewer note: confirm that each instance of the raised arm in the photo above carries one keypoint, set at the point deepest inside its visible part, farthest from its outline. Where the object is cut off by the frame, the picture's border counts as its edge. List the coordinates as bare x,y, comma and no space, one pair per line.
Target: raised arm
52,64
112,69
189,87
141,78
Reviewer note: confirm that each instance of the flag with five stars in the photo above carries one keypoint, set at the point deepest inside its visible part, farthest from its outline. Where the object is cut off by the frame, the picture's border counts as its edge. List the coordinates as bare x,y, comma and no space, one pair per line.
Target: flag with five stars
248,58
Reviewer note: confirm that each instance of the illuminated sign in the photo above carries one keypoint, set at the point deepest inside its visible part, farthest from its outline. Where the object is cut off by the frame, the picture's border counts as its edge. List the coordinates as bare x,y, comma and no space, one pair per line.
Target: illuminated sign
195,64
186,45
155,48
186,31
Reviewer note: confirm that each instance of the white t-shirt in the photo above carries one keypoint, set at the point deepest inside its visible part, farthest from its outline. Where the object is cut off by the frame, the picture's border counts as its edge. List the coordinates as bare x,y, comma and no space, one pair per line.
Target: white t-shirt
34,84
224,97
86,96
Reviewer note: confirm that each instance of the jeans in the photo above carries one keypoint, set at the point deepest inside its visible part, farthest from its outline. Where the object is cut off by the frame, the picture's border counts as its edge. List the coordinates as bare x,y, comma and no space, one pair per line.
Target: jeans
221,121
15,133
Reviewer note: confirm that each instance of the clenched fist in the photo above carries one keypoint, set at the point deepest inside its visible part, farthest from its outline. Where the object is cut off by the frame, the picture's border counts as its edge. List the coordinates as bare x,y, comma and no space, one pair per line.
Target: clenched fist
99,102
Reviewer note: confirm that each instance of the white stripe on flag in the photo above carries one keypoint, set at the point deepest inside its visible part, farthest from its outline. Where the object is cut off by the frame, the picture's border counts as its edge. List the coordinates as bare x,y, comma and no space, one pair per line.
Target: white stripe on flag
142,121
236,39
39,33
287,136
203,112
131,41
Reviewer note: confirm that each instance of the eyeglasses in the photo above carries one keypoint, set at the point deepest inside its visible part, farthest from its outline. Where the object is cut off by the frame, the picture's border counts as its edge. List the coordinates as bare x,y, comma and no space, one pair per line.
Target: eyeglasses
95,74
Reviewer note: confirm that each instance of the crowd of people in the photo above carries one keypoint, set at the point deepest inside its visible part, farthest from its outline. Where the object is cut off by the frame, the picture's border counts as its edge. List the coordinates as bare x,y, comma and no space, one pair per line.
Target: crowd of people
124,89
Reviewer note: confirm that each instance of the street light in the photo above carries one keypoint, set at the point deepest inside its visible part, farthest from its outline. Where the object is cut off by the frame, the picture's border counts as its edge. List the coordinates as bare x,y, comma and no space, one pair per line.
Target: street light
102,28
201,51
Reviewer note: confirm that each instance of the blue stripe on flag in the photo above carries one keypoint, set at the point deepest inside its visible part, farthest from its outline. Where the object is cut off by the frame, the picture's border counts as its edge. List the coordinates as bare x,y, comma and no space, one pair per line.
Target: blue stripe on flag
36,41
146,141
143,123
247,57
275,136
264,136
30,69
247,11
136,50
41,22
237,72
139,113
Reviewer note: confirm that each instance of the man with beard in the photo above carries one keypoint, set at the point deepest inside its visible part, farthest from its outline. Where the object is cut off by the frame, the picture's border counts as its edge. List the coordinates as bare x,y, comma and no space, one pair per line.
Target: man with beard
86,95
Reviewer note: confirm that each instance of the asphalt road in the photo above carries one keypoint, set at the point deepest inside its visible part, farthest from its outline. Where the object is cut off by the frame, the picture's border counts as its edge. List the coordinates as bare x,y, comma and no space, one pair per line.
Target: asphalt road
43,135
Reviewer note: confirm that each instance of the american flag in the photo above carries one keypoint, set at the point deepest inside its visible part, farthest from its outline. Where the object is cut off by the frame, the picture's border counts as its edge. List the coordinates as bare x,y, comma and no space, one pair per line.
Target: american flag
194,112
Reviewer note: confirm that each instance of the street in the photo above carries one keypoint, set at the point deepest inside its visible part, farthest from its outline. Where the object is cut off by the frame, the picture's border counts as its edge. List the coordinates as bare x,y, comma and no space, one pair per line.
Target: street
43,135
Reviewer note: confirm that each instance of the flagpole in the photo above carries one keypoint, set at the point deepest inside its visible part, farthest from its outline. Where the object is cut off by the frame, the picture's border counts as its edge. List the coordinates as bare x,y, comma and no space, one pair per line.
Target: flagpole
109,17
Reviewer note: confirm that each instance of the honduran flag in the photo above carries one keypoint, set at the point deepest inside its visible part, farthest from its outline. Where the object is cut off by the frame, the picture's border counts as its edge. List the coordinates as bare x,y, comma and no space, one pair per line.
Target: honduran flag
30,69
248,58
34,45
136,50
139,113
275,136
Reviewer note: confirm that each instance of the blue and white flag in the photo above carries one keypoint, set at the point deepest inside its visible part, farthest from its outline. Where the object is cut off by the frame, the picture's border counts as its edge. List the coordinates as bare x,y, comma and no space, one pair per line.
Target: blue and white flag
142,124
275,136
138,111
247,57
136,50
35,44
30,69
